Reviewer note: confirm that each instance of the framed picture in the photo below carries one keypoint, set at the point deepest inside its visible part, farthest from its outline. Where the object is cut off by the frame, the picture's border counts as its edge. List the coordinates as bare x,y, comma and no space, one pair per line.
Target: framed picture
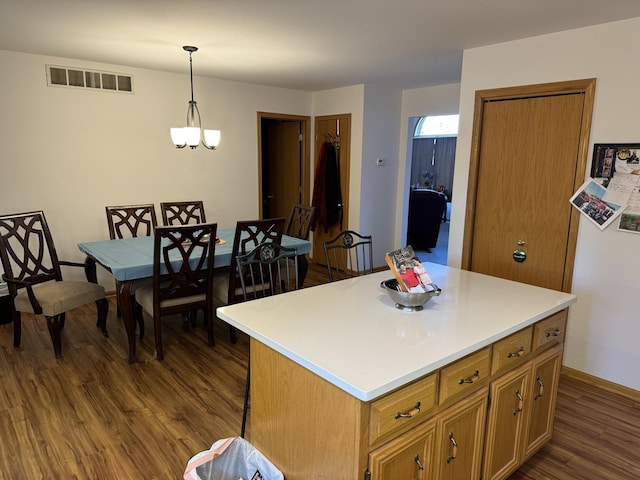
614,157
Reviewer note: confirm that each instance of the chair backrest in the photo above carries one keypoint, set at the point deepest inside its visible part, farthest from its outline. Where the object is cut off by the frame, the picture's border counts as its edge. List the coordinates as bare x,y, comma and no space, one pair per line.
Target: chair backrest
183,260
27,250
269,269
248,235
300,221
349,254
131,220
182,213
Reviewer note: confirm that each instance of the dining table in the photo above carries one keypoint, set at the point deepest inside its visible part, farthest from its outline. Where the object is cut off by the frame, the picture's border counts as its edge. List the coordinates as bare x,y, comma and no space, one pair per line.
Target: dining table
130,259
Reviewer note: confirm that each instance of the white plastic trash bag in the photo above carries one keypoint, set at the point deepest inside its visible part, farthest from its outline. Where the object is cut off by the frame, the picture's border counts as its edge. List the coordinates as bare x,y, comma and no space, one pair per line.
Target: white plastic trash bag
231,459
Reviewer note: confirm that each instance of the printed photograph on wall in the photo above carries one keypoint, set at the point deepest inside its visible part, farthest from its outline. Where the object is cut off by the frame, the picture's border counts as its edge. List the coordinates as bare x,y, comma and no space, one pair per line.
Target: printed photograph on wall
610,158
589,199
630,218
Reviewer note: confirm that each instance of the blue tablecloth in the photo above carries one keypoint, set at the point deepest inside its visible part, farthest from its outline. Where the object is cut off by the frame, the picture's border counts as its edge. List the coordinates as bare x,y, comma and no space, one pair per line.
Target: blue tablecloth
132,258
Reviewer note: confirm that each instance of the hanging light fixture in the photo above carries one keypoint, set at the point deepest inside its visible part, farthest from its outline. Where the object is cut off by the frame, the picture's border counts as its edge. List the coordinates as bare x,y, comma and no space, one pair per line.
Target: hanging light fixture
193,134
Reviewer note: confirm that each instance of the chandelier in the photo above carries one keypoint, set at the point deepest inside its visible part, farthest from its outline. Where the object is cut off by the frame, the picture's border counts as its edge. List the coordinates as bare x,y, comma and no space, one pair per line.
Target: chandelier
193,134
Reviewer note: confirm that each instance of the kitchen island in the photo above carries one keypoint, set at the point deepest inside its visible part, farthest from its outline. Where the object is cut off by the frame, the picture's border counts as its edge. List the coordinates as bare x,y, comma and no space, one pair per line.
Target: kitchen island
346,386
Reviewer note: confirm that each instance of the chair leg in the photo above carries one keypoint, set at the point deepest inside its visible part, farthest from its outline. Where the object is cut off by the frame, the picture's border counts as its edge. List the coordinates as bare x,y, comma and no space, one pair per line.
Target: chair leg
137,312
63,316
246,402
157,328
103,311
53,323
118,309
17,328
209,325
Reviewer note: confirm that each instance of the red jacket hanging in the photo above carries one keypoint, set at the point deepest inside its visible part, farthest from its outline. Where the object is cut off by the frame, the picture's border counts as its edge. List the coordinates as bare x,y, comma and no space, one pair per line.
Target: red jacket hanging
327,196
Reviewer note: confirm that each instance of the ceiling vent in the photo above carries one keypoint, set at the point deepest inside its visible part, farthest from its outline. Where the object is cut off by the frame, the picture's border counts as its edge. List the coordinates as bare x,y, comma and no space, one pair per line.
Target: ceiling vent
90,79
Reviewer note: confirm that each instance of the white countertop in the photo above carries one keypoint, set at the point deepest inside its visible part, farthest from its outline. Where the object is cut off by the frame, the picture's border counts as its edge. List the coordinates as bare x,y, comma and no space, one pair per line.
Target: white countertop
350,333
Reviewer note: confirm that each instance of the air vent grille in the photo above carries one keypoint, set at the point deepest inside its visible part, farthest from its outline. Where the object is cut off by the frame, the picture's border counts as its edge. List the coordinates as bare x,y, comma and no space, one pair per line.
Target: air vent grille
73,77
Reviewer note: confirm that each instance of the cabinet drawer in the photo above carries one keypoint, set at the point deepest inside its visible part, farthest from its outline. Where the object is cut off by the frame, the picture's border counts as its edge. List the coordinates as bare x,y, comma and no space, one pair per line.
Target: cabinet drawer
465,374
407,406
550,331
511,350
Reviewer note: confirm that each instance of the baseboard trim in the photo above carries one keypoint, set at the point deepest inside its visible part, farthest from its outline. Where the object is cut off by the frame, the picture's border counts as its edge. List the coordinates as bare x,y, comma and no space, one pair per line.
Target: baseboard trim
601,383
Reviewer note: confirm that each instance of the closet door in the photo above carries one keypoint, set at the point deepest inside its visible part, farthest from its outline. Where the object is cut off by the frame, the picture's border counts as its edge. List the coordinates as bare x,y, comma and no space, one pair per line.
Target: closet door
529,156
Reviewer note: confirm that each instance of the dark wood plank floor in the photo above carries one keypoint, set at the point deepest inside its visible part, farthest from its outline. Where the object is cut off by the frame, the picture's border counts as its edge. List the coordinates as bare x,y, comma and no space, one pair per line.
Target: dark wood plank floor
92,415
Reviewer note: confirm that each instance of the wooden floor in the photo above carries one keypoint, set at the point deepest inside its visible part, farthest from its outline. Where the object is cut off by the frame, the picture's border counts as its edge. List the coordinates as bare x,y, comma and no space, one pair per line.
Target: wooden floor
92,415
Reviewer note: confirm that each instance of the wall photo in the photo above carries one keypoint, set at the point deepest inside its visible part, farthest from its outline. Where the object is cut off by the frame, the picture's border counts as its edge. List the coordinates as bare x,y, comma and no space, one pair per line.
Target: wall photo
589,199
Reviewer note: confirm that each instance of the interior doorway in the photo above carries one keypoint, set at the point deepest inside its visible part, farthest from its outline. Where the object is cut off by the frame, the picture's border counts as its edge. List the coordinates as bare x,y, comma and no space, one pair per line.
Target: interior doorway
432,152
283,163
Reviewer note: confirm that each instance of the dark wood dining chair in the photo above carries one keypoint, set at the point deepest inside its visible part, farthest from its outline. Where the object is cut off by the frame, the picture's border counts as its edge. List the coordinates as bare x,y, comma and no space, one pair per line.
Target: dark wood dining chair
300,221
131,220
248,235
182,213
183,260
33,274
126,221
267,270
349,254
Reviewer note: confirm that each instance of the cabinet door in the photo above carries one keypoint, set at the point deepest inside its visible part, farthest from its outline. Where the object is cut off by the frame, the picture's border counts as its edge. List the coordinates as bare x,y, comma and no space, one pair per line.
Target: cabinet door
544,390
510,400
408,457
460,438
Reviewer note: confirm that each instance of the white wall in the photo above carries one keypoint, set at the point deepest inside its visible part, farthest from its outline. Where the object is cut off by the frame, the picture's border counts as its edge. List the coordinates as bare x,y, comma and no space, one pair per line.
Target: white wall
382,108
71,152
604,325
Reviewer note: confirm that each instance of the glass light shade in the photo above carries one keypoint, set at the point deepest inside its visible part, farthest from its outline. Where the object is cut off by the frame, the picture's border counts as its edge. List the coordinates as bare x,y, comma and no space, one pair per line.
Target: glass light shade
192,136
177,137
211,138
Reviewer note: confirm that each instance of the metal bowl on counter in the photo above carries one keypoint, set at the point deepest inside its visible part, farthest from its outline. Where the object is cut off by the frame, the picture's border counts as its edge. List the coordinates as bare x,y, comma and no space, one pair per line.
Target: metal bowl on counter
408,301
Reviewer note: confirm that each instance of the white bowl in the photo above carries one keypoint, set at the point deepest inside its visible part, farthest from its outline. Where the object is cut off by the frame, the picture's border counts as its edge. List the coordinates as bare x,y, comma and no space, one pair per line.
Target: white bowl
409,301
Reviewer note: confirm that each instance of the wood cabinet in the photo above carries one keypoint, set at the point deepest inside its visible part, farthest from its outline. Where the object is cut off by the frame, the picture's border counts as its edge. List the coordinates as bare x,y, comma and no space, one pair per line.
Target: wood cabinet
460,438
522,402
409,456
448,447
544,386
506,423
499,400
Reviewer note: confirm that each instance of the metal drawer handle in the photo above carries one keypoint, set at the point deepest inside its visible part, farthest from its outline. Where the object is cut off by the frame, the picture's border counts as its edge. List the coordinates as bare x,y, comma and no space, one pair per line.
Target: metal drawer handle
554,333
418,462
414,411
476,376
520,402
516,354
454,448
540,389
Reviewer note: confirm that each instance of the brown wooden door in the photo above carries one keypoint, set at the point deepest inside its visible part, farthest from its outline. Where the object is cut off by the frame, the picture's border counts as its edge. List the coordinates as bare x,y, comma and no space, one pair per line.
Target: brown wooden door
528,157
283,163
326,129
